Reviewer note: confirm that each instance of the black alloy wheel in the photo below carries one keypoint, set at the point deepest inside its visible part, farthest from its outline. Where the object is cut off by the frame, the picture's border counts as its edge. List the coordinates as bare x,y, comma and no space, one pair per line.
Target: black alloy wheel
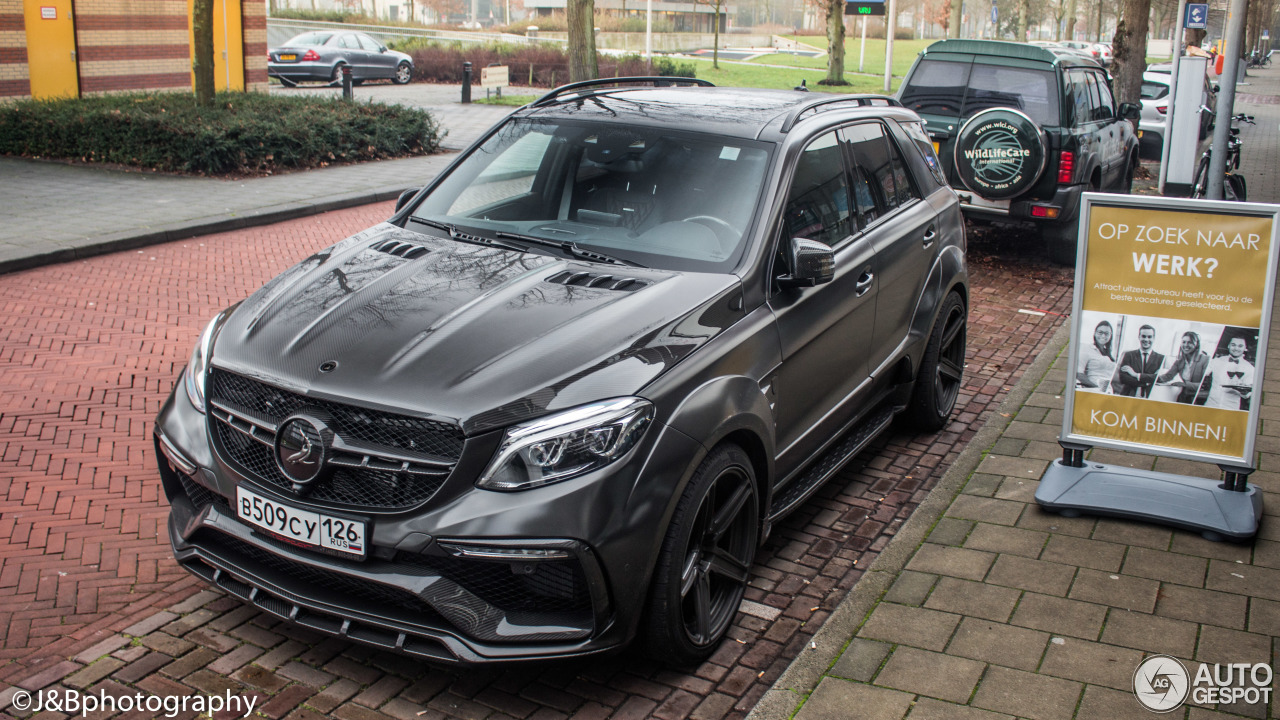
706,559
942,369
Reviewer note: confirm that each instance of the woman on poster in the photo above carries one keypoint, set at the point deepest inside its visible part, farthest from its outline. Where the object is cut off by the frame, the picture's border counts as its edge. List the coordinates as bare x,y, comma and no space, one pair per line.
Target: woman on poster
1187,371
1096,362
1229,382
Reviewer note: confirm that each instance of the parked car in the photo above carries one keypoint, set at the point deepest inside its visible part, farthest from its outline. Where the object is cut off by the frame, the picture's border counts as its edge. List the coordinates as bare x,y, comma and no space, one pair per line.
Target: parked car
1088,49
321,55
1023,131
558,399
1155,106
1102,53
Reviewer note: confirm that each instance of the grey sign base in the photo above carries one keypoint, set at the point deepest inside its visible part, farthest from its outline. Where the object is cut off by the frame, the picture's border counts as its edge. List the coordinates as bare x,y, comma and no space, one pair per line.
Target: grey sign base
1196,504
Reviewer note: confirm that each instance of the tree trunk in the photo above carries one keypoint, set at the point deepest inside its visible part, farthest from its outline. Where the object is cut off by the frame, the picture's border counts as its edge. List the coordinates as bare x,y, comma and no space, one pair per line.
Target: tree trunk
202,63
1071,20
957,16
835,44
1022,20
1129,51
715,50
580,15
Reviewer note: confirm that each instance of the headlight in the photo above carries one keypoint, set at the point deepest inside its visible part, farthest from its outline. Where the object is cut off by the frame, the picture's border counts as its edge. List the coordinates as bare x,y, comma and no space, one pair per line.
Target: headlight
193,378
567,444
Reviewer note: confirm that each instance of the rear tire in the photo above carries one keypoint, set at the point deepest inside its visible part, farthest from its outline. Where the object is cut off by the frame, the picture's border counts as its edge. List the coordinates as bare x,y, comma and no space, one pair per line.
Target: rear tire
336,76
941,370
705,560
1063,241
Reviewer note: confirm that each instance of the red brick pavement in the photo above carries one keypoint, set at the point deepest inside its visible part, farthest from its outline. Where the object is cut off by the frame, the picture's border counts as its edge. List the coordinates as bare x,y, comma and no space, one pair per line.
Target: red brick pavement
90,597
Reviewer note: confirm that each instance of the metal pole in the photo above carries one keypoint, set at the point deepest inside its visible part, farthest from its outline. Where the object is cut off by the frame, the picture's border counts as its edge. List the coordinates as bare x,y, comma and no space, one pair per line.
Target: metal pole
862,50
466,82
1226,98
890,23
648,29
346,83
1173,84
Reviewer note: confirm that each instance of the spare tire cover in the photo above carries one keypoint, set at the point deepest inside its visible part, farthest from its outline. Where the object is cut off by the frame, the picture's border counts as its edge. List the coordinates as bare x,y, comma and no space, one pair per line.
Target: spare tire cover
1000,153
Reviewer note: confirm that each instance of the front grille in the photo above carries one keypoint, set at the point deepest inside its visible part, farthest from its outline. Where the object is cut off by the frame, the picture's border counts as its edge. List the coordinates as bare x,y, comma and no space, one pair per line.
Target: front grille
399,461
551,586
199,494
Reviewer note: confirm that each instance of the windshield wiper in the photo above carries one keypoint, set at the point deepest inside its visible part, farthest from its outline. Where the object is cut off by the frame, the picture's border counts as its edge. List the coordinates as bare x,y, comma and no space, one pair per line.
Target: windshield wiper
569,247
456,234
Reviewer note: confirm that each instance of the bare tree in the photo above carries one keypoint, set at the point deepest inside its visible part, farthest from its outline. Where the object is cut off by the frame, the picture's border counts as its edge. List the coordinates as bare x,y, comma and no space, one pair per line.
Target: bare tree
202,59
835,43
957,17
580,15
716,6
1129,50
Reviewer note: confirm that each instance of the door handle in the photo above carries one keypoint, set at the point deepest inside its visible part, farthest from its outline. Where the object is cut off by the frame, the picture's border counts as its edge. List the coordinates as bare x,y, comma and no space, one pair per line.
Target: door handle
864,283
930,235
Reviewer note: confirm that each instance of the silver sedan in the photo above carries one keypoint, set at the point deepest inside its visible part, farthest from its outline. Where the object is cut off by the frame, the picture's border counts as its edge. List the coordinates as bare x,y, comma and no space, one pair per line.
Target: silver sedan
321,56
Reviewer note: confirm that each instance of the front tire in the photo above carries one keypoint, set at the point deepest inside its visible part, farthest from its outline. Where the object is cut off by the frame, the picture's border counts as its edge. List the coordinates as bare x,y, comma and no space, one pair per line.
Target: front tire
403,75
335,78
705,559
941,370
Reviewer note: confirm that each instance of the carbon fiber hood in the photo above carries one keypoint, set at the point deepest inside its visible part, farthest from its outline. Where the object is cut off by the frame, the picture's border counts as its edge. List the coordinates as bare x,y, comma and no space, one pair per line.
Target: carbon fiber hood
465,333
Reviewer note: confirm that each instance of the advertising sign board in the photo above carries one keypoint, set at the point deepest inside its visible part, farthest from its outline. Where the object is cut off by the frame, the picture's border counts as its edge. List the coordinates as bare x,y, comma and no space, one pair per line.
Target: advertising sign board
1169,326
864,7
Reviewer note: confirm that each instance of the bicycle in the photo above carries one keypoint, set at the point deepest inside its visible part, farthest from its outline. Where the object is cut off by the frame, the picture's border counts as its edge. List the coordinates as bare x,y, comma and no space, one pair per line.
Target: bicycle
1234,187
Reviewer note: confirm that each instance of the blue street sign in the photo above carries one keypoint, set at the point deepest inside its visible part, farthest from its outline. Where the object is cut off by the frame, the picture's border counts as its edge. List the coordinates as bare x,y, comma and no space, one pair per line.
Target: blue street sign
1197,16
994,13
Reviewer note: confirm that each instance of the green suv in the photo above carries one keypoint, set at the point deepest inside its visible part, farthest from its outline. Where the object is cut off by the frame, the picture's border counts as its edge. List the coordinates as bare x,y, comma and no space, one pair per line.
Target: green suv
1022,131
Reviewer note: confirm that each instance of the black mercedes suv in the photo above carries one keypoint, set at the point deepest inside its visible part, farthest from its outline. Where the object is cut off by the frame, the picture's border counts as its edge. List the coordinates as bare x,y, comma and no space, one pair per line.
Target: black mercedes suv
558,399
1023,131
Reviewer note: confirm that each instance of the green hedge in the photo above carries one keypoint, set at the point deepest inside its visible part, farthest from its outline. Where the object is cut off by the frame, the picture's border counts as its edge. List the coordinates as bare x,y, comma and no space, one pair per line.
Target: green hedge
242,133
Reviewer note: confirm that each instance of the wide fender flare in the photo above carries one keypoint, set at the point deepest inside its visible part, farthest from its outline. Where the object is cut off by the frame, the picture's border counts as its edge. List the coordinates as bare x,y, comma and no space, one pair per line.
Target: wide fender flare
948,273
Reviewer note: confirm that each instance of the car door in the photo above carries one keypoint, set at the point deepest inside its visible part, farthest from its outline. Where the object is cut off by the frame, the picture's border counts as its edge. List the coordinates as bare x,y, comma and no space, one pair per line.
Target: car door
899,226
1110,134
349,47
379,63
824,330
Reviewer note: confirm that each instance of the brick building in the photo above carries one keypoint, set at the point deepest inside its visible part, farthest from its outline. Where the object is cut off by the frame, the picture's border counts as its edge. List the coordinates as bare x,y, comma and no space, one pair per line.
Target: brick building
60,48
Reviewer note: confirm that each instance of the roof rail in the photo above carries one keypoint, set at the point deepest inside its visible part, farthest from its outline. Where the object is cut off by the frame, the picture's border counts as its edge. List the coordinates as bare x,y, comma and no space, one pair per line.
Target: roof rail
655,81
860,100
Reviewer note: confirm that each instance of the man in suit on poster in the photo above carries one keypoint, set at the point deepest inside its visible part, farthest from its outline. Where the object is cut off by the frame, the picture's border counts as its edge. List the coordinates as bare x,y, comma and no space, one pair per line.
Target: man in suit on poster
1138,368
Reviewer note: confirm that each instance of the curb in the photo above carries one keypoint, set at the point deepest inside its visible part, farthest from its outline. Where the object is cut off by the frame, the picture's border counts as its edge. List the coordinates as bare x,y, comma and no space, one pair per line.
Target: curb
807,670
266,215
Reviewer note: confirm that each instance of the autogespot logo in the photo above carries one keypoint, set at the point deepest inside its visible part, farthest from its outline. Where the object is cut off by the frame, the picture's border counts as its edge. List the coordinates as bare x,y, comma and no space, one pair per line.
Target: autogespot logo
1161,683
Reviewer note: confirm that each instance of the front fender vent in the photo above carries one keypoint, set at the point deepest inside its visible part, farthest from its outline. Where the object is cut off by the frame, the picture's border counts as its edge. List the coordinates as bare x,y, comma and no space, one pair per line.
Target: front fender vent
593,280
399,248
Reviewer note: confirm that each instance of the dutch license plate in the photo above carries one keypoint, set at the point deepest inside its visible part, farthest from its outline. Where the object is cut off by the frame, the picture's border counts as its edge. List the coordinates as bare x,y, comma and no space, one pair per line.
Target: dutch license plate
937,148
290,57
1139,134
301,526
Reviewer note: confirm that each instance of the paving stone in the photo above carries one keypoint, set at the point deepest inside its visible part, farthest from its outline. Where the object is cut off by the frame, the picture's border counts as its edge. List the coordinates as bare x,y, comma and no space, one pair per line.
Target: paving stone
955,562
999,644
92,674
983,485
278,655
189,663
381,691
1125,532
933,674
135,671
337,693
1020,490
911,588
1166,566
833,698
167,644
1220,645
1092,663
111,644
305,674
1250,580
1266,553
1012,466
1002,539
861,660
1008,446
917,627
964,597
972,507
1264,617
950,531
930,709
1038,576
1060,616
260,678
232,661
1151,633
1036,697
1202,606
1101,702
1188,544
1121,591
150,624
1084,553
1033,518
189,622
286,700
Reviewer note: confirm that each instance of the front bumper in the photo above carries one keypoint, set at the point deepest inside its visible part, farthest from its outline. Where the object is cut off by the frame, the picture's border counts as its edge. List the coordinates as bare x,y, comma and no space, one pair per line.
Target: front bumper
412,593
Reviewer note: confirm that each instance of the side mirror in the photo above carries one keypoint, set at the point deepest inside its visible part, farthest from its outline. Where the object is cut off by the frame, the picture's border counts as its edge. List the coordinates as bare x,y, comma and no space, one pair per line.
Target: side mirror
1130,111
382,48
1217,88
812,263
405,197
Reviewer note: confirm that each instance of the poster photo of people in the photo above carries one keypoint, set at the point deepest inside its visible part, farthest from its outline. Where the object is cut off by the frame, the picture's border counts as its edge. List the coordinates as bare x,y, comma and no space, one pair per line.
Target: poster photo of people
1176,361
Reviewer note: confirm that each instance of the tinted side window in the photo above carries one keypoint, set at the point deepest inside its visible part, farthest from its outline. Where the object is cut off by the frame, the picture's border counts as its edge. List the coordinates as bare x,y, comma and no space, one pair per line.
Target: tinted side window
1082,106
921,139
1106,105
1095,99
874,164
818,206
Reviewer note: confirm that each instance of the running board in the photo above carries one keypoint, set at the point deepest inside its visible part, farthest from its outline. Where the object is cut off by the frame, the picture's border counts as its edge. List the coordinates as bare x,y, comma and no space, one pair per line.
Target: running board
829,463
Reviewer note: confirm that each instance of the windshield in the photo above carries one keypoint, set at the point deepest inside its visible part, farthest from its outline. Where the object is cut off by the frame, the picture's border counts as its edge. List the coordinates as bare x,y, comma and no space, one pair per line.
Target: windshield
653,196
309,39
961,89
1153,91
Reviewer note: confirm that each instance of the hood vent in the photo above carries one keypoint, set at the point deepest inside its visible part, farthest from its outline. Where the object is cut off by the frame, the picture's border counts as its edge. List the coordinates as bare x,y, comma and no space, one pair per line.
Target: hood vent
592,280
402,249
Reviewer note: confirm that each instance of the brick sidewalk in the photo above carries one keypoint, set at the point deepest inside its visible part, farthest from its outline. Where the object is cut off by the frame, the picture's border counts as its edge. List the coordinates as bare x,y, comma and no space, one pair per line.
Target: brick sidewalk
90,598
